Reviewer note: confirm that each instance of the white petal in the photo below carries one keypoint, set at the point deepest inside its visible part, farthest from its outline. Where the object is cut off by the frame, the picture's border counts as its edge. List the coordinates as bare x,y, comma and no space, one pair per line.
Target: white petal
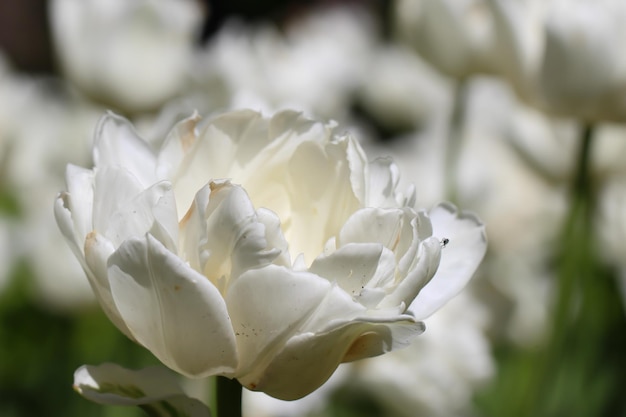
334,311
383,180
171,309
65,221
154,389
357,266
274,236
373,225
292,126
151,209
114,187
122,208
117,144
223,234
178,142
399,230
420,274
466,247
233,229
226,143
359,168
319,203
193,228
165,225
80,184
421,229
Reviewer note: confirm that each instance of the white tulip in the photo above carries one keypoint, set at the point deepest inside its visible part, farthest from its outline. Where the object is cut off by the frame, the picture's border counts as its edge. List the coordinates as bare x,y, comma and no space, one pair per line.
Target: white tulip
263,249
456,36
131,54
565,56
583,72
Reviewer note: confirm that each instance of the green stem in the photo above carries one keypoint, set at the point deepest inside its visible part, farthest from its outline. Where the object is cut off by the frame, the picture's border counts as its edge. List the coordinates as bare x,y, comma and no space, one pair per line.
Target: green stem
228,393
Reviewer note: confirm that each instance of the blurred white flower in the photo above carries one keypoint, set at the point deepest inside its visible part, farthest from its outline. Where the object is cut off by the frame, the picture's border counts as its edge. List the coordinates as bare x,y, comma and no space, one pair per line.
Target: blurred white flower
438,374
456,36
133,55
313,66
565,56
523,209
609,151
611,226
583,73
511,167
519,28
551,145
263,249
401,90
43,126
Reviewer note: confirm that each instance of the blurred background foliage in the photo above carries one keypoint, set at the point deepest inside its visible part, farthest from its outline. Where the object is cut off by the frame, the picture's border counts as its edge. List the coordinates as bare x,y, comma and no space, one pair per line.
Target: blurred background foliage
578,368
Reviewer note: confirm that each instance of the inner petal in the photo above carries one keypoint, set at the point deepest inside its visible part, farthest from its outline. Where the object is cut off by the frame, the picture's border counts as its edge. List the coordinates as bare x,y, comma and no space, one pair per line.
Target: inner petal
222,235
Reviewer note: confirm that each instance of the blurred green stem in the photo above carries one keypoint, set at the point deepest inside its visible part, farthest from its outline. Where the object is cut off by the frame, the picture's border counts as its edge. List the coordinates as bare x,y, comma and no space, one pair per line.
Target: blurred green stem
576,270
578,251
228,397
456,127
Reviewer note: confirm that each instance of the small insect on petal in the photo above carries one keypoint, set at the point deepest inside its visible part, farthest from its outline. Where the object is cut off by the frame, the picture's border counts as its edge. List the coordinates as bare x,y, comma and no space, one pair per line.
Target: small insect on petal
444,242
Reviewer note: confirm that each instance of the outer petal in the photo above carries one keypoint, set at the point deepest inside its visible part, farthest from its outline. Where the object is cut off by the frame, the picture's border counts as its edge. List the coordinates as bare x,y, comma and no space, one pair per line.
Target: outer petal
171,309
92,251
292,348
80,184
98,249
153,389
309,359
117,144
467,244
114,187
151,209
66,223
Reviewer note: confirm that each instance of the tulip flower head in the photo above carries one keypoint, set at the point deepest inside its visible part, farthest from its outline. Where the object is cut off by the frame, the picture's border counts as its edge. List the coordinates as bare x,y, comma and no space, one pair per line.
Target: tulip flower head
266,249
